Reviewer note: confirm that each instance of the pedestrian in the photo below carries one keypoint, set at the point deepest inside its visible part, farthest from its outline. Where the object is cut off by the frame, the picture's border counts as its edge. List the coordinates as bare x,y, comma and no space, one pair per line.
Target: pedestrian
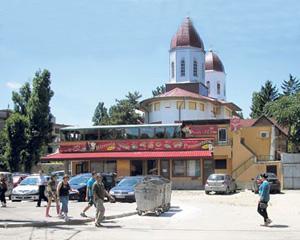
264,198
51,194
89,194
42,181
3,189
99,193
63,189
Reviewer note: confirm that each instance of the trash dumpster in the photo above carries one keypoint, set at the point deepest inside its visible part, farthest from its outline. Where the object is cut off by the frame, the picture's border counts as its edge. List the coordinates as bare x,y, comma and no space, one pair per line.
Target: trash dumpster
153,195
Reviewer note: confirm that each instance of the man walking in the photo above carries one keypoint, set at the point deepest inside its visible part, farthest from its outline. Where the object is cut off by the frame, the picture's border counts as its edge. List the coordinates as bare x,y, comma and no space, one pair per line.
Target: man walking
42,181
89,194
264,197
99,193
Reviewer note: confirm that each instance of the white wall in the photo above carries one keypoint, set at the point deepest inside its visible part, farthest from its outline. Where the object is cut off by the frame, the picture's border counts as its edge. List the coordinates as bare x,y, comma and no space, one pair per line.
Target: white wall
214,78
189,54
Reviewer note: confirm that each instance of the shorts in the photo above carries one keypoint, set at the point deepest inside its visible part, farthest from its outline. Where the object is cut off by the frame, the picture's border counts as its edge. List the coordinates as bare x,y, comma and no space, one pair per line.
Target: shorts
91,201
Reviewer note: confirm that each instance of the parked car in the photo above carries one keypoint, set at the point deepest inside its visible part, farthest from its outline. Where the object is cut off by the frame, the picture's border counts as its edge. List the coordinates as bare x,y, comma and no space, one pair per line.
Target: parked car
9,181
124,190
78,184
220,183
28,189
18,178
275,185
59,175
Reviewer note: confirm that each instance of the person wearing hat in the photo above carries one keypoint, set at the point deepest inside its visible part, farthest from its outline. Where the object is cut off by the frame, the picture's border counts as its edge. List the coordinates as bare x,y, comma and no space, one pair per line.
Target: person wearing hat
264,198
63,190
99,193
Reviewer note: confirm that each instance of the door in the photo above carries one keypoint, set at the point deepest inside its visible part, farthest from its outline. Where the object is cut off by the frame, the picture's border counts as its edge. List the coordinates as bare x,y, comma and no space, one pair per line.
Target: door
208,168
136,168
165,168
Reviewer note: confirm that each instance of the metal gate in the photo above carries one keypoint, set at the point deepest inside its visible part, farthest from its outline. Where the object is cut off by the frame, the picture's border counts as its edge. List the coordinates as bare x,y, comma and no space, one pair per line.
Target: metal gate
291,171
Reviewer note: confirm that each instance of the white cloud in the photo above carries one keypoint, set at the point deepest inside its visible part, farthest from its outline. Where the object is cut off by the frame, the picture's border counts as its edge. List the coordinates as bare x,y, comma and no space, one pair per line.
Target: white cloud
13,85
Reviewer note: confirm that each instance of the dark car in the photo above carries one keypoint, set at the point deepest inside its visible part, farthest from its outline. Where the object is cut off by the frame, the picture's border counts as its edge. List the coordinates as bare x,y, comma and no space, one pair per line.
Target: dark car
124,190
78,184
275,185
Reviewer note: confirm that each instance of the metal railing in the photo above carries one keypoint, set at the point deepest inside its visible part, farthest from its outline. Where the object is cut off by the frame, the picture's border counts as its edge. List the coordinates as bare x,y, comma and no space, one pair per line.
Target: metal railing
266,158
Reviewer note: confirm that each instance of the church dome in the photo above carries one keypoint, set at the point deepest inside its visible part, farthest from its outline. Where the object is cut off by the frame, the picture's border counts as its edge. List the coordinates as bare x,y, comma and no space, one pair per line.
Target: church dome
213,62
186,36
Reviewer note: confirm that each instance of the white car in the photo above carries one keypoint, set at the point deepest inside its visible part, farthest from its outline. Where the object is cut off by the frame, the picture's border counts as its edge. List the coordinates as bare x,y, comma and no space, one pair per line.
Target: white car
28,189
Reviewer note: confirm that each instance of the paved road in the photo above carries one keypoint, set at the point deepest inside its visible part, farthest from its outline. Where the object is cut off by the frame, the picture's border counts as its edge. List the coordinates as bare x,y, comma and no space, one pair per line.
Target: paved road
193,215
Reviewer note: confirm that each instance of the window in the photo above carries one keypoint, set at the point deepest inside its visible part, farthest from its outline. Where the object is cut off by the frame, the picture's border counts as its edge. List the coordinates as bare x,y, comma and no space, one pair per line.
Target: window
221,164
180,105
201,107
91,134
219,88
264,134
182,68
195,68
157,106
192,105
159,132
222,135
228,113
216,110
150,107
131,133
208,86
147,133
186,168
172,70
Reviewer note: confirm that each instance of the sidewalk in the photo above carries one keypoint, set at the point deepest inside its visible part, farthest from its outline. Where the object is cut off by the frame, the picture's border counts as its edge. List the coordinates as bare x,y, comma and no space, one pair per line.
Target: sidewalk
26,214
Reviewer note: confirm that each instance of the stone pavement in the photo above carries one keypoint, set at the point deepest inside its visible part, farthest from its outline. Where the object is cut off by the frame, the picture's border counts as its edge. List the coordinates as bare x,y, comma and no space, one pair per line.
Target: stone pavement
26,214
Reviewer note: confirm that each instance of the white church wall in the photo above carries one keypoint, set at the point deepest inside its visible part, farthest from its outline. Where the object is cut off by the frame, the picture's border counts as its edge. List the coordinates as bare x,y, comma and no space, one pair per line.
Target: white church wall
214,78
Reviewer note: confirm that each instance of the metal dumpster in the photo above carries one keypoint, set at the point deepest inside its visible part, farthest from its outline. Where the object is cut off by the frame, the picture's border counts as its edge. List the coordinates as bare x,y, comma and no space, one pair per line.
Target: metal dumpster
149,196
167,194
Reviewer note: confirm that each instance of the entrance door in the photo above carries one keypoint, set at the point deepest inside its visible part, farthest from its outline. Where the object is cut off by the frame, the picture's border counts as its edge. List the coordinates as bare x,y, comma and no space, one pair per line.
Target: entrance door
152,167
82,167
208,168
165,168
136,167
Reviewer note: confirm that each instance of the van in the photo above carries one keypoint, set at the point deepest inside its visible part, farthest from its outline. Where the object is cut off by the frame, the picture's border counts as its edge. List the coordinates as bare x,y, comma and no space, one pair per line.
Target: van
9,182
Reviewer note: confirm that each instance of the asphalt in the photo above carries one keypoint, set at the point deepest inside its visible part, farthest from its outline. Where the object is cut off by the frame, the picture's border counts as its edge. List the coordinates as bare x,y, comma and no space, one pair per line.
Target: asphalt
26,214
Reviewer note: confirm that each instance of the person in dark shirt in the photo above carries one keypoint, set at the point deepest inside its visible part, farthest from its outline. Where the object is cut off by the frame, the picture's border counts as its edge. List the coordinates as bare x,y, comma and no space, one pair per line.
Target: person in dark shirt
3,189
63,190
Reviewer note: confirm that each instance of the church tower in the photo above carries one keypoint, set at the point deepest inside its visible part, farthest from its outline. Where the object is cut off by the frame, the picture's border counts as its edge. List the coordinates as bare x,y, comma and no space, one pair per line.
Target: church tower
187,56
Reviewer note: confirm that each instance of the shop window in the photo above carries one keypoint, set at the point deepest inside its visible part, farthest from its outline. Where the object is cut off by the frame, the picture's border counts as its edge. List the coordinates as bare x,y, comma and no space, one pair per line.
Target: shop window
186,168
180,104
195,68
157,106
182,68
131,133
222,135
201,107
159,132
192,105
146,133
221,164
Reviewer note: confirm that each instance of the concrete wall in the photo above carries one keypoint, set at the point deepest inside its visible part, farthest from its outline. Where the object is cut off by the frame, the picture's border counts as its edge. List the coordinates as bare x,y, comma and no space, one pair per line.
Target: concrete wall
291,170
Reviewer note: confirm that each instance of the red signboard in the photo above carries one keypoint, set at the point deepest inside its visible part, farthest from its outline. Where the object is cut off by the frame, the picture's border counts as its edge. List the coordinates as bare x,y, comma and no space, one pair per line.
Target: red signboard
200,130
235,123
137,145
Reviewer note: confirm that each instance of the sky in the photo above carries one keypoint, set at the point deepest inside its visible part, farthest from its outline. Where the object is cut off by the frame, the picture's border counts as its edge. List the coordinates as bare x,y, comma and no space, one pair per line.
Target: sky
101,50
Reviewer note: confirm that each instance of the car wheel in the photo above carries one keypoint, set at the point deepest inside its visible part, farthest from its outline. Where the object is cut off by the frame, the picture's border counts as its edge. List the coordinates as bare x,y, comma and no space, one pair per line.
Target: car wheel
140,213
207,192
157,212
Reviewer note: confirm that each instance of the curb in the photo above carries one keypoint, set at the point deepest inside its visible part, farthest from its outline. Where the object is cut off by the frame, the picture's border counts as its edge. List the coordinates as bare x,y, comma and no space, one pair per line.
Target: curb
59,223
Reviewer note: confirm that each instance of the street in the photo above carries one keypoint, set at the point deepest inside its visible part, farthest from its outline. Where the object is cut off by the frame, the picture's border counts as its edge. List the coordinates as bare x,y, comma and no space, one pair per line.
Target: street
193,215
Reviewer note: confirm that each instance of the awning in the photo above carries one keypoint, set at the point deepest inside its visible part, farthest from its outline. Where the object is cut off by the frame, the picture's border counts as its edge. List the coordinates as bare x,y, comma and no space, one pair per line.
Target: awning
129,155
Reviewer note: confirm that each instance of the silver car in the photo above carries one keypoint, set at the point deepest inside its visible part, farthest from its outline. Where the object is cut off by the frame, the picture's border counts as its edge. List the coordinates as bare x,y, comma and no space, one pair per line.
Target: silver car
220,183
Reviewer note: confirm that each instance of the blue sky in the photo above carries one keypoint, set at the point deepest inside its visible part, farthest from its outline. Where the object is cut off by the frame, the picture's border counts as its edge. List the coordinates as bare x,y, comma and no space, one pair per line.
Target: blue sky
100,50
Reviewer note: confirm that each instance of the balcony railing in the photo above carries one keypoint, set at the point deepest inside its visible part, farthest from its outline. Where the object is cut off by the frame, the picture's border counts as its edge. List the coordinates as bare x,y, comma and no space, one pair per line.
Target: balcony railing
266,158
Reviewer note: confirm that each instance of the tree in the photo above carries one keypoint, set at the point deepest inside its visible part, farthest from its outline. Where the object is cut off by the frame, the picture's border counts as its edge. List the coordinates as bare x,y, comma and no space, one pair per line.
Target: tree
159,90
21,99
291,86
286,111
16,140
268,93
3,159
100,115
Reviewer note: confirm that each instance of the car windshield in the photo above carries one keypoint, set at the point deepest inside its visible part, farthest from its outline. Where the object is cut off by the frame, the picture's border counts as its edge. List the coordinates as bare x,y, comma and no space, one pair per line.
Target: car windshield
129,182
216,177
79,180
29,181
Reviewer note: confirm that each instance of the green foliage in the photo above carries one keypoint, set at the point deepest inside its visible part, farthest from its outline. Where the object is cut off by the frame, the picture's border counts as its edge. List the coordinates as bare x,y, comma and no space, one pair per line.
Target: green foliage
159,90
21,99
268,93
100,115
123,112
291,86
286,111
3,159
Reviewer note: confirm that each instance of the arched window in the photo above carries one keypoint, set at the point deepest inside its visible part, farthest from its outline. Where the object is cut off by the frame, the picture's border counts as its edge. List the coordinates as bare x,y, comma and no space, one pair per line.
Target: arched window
182,68
172,70
219,88
195,68
208,86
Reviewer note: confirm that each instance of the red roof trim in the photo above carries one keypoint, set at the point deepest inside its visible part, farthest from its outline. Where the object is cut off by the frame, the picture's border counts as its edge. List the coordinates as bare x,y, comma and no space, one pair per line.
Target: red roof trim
129,155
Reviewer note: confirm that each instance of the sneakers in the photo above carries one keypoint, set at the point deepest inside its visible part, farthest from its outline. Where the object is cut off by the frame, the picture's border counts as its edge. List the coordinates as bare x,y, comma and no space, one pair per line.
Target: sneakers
66,219
83,214
268,221
98,225
3,205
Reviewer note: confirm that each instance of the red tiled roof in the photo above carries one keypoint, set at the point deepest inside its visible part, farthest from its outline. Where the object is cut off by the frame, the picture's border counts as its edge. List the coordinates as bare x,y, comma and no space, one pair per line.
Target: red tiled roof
247,122
186,36
129,155
213,62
